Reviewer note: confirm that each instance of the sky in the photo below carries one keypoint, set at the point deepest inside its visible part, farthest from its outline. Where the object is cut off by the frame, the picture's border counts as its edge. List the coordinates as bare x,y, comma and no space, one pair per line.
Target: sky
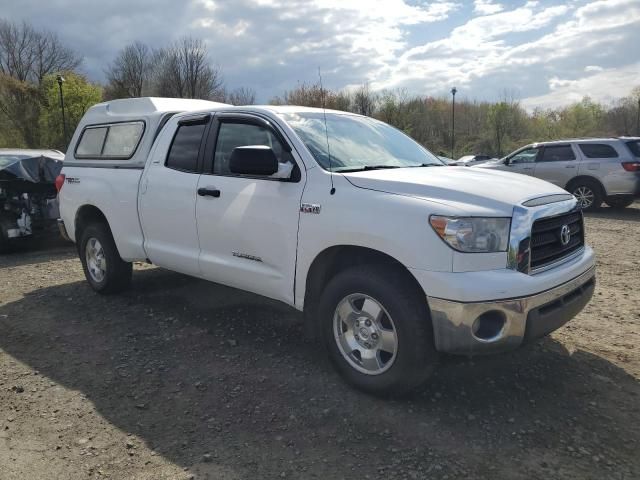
544,53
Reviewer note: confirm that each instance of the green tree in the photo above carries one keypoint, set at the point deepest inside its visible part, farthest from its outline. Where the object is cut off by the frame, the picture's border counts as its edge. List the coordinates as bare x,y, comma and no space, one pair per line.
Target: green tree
19,109
79,95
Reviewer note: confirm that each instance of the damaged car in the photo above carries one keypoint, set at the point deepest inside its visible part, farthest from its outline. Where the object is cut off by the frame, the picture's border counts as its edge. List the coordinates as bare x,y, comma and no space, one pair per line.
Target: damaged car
28,195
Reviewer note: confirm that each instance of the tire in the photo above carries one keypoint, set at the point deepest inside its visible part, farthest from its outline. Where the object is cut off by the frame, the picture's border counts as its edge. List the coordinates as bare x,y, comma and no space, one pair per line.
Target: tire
619,202
386,304
103,268
588,193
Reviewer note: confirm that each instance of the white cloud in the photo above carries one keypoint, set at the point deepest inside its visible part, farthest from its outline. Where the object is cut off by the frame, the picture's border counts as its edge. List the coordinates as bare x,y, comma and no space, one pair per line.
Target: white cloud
603,86
533,47
472,50
486,7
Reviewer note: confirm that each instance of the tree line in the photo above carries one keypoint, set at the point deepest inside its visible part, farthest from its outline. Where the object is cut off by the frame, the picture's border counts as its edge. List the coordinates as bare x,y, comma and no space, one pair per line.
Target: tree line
31,61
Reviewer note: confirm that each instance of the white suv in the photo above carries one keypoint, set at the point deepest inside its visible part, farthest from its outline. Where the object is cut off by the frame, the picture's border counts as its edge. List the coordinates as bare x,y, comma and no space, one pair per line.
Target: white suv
592,169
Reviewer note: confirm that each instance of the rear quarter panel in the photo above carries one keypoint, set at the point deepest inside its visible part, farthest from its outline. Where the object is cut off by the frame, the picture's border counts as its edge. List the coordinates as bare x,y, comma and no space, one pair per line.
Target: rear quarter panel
115,193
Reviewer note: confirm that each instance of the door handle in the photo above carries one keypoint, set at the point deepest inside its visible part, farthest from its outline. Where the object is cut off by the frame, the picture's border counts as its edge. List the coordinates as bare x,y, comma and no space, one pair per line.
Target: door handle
208,192
570,166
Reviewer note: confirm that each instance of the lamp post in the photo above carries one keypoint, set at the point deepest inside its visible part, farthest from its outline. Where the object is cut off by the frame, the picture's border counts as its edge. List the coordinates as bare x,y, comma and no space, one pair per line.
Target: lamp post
454,90
64,121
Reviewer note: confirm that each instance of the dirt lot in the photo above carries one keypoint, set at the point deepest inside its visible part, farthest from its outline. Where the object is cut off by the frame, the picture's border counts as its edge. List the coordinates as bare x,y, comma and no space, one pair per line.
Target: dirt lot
182,379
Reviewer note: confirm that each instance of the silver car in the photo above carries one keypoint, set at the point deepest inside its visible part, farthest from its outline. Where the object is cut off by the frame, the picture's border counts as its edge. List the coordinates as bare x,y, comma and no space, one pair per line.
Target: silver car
593,170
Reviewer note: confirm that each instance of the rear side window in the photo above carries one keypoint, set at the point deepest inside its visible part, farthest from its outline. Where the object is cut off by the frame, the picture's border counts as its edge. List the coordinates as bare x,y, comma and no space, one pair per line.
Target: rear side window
183,154
634,146
598,150
559,153
116,141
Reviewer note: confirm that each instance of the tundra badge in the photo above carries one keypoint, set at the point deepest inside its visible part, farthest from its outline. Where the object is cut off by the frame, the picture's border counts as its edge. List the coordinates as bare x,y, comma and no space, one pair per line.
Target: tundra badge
310,208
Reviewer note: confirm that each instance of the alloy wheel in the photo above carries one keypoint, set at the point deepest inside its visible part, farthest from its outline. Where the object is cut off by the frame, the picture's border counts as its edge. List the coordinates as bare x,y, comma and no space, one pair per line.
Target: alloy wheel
365,334
96,262
585,196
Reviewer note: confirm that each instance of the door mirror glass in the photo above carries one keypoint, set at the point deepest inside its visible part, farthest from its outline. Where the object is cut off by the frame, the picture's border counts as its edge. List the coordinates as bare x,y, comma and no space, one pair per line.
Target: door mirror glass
253,160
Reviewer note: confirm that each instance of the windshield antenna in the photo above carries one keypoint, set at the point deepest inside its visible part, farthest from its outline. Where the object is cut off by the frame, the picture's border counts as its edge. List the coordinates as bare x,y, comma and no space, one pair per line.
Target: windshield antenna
326,132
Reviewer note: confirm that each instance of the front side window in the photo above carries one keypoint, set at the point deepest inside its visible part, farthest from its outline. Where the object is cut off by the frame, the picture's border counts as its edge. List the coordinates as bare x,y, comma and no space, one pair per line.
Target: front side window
525,156
233,135
184,150
560,153
356,142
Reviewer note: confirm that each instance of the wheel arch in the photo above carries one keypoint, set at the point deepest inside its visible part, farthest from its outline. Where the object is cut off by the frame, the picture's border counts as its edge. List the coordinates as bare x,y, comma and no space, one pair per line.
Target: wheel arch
336,259
85,215
583,178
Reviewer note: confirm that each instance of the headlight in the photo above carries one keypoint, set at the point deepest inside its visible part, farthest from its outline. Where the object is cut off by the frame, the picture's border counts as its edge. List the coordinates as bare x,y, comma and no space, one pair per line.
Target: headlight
473,234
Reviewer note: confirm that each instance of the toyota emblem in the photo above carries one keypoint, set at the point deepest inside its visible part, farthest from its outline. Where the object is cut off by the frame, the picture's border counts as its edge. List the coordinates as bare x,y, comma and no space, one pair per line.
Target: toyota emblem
565,235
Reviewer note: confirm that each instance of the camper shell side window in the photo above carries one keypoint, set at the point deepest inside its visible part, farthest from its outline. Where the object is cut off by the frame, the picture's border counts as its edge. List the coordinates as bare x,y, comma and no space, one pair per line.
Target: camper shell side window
110,141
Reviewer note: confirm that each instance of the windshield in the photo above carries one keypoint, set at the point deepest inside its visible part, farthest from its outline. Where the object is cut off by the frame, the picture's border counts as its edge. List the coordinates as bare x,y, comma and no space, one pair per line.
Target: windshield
357,142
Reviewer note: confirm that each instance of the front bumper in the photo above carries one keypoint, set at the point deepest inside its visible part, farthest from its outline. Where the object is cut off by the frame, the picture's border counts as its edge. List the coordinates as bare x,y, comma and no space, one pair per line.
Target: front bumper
510,321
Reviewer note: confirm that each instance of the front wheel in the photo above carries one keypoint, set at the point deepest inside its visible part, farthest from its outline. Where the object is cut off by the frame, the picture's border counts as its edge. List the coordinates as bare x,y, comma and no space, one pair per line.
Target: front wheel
377,330
103,268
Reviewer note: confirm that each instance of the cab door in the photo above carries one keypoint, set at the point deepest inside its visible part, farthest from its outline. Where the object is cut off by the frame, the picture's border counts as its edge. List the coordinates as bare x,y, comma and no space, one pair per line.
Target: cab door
248,225
167,200
557,164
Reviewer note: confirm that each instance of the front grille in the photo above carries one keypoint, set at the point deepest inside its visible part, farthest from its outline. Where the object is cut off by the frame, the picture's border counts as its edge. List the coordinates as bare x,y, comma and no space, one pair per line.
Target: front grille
546,242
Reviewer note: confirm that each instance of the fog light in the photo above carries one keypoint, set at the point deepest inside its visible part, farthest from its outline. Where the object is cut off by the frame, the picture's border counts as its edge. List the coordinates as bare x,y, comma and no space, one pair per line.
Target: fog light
488,326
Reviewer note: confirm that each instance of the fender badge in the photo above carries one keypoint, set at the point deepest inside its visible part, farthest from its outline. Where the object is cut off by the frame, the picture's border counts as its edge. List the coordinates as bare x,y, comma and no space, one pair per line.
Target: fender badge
247,256
310,208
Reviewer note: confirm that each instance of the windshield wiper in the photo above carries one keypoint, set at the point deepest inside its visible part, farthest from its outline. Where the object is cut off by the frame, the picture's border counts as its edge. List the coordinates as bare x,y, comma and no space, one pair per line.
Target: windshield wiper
366,167
430,165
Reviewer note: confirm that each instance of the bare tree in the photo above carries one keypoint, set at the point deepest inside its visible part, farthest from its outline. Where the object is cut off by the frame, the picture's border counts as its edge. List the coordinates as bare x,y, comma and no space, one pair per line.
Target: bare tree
183,70
130,72
364,100
241,96
29,55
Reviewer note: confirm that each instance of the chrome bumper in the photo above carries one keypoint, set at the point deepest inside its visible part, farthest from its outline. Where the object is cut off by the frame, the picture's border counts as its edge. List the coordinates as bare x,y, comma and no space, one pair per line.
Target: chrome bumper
63,230
456,324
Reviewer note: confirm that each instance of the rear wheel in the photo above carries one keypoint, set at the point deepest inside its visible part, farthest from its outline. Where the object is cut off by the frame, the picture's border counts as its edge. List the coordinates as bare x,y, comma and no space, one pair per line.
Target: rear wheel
588,194
377,330
103,268
619,202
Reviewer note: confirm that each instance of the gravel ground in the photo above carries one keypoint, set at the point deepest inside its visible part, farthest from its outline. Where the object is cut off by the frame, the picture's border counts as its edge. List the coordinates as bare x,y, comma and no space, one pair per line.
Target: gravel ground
179,378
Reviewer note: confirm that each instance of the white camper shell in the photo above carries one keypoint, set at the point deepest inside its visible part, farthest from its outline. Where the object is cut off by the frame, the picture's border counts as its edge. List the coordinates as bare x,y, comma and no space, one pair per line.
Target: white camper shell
120,133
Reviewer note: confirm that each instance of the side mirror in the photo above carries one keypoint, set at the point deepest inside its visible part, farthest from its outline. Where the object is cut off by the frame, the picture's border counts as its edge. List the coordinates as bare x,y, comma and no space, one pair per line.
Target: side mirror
253,160
506,161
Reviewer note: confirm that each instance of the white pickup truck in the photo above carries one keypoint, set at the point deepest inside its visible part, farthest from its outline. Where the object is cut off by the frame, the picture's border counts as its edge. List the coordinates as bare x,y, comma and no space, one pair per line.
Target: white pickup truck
392,256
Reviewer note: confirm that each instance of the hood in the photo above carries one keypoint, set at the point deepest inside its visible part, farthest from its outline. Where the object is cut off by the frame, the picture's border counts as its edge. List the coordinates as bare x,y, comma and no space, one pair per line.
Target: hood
491,163
473,191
